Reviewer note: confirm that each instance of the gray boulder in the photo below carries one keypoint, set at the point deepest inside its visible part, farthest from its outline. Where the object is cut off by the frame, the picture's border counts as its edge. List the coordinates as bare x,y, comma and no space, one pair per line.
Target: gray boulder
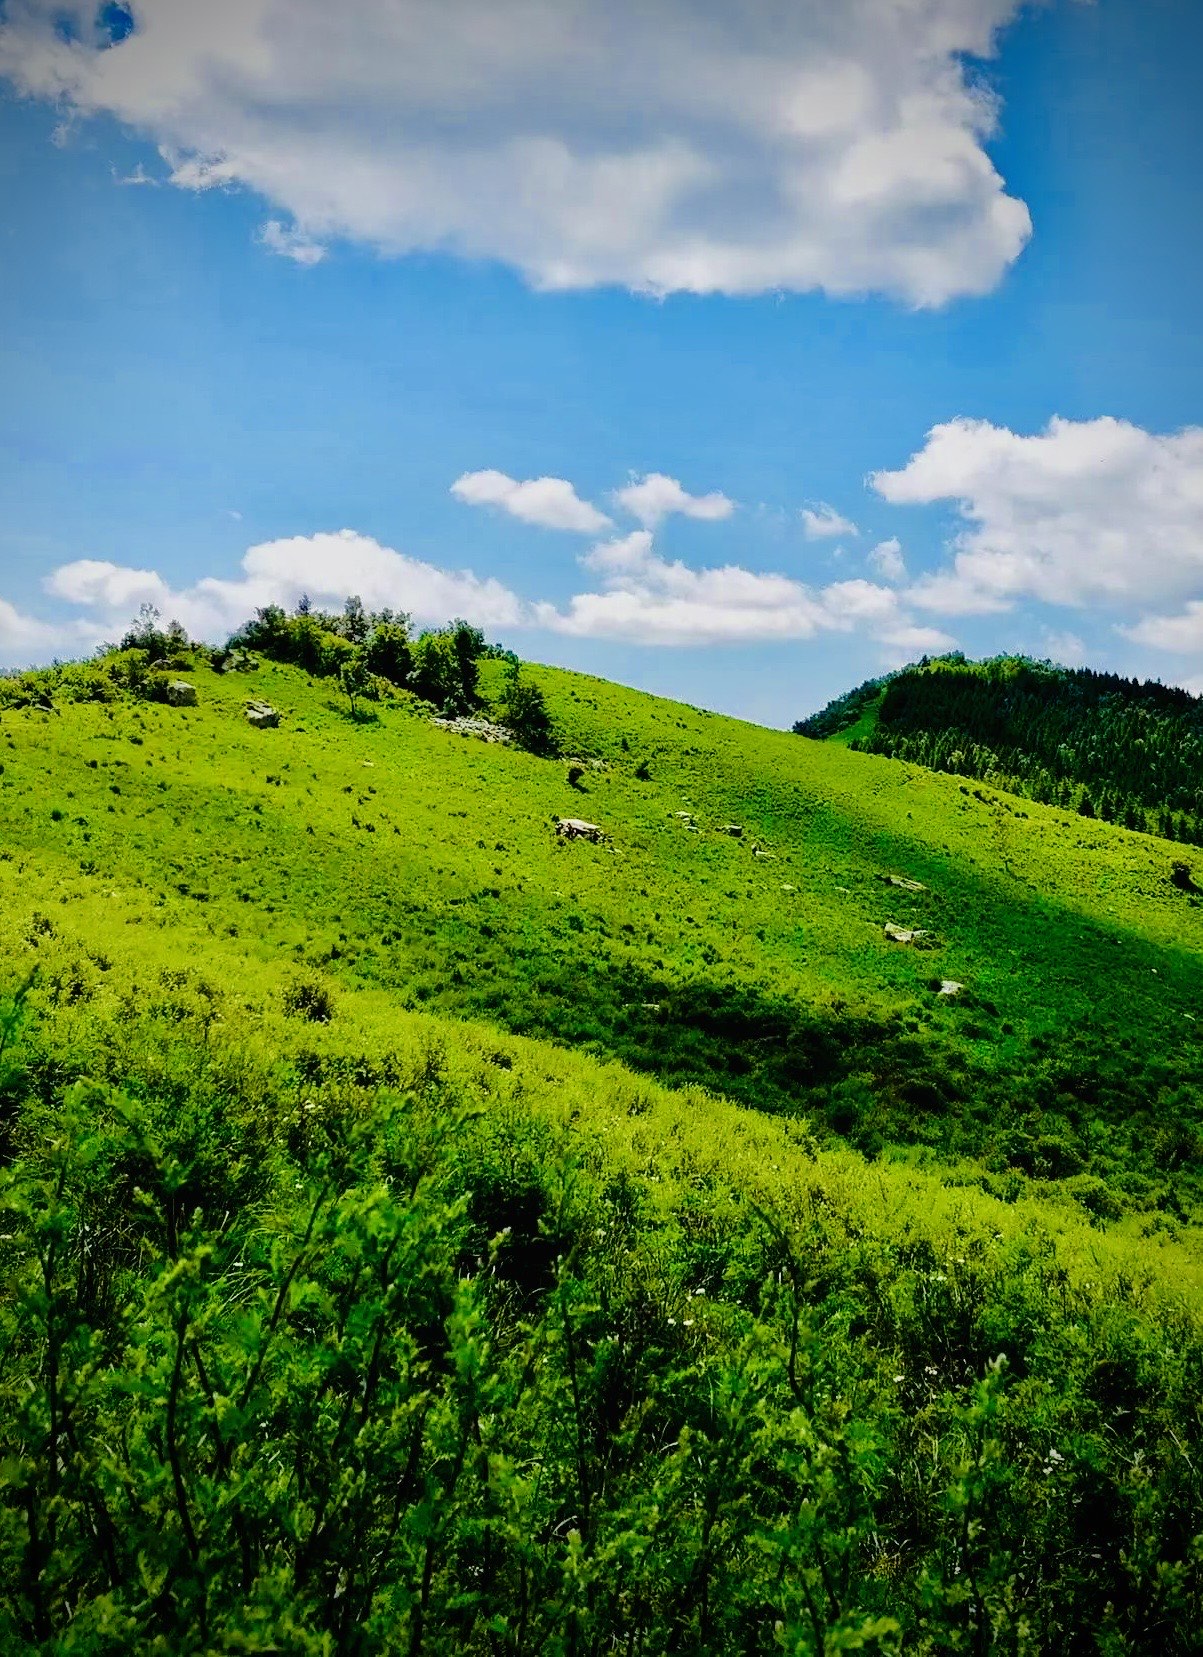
575,828
905,934
180,694
262,715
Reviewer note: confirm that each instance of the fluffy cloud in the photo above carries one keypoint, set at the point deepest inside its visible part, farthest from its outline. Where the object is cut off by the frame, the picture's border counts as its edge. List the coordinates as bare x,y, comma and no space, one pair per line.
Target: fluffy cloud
552,503
640,597
822,520
326,566
886,558
648,600
655,497
1182,633
679,146
1085,513
25,639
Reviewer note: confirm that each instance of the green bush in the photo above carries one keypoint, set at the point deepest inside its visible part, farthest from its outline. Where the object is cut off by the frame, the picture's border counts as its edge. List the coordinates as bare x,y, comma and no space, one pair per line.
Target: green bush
301,1359
524,711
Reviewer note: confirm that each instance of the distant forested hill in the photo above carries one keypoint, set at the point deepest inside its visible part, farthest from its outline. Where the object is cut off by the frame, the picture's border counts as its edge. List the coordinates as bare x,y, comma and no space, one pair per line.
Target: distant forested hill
1126,750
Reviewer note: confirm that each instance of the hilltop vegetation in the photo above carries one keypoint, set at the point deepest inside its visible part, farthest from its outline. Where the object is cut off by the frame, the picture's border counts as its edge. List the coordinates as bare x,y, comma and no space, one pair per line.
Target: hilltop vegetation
425,1235
1127,751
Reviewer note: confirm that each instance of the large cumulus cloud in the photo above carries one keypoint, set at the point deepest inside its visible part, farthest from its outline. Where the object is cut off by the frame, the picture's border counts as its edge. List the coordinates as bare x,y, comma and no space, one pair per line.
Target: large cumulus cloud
665,146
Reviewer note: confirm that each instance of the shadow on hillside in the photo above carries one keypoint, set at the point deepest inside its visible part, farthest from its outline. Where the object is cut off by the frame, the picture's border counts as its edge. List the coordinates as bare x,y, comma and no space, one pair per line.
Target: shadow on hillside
868,1080
1075,1101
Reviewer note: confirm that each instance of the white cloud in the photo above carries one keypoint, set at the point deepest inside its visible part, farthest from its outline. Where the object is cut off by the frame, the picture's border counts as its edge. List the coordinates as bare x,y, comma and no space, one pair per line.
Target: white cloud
655,497
679,146
1066,648
291,242
25,639
640,597
1181,633
138,177
626,554
647,600
551,503
886,558
823,520
1086,513
327,566
907,640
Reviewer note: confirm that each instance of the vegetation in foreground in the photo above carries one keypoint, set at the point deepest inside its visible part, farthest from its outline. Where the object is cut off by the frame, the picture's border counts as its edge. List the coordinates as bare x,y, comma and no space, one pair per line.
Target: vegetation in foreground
365,1291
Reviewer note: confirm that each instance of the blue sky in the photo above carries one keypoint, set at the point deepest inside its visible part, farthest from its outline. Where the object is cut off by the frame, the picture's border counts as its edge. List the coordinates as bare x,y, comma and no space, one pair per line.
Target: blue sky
182,382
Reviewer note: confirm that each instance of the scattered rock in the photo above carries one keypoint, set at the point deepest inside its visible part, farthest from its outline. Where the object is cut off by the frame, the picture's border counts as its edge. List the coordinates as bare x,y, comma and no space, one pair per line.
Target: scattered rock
949,986
262,715
735,830
483,729
575,828
685,816
180,694
905,934
235,661
789,888
1182,878
906,884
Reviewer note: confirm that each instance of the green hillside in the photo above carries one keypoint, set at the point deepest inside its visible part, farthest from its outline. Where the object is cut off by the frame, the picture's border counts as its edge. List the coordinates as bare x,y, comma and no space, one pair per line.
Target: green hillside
398,854
426,1233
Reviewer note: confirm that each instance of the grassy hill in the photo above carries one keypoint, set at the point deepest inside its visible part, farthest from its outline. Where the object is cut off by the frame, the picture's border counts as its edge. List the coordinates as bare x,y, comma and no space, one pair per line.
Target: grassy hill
425,1233
398,854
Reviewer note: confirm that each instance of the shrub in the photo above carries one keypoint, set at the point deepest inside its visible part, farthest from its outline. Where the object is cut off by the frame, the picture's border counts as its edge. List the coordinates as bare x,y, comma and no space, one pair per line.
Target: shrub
309,998
524,711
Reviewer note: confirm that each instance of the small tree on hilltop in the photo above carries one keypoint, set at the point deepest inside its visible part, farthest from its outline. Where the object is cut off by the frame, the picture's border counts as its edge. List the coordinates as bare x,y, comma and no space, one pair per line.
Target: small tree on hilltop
356,681
468,644
434,673
387,649
525,712
146,634
355,622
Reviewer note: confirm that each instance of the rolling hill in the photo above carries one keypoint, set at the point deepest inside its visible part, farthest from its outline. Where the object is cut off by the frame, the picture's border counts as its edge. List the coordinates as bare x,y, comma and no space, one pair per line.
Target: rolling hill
1126,750
425,1232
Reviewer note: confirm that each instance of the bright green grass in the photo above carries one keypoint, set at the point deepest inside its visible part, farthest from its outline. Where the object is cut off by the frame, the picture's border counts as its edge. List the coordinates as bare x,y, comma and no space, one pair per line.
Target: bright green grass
861,728
124,991
682,1368
426,864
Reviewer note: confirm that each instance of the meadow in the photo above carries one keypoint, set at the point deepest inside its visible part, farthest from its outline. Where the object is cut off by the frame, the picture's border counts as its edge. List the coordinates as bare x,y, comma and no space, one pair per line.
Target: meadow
425,1234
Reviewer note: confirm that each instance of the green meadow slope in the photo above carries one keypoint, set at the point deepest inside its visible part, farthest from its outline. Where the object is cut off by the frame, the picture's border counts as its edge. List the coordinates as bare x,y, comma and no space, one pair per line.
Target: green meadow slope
398,854
424,1234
